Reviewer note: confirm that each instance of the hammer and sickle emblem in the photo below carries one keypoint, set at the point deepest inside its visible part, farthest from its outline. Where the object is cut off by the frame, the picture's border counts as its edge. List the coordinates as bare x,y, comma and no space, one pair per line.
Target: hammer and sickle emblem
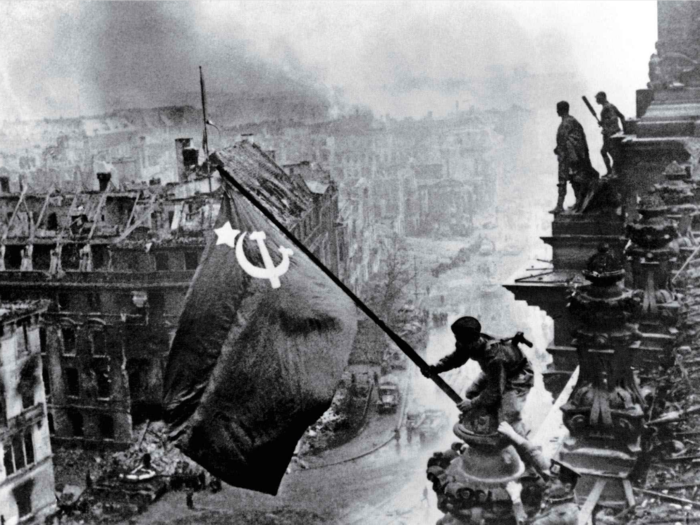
270,271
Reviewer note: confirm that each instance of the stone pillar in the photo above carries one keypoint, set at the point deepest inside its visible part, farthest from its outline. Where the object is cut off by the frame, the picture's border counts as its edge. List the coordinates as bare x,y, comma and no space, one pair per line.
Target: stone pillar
27,258
679,195
604,414
653,254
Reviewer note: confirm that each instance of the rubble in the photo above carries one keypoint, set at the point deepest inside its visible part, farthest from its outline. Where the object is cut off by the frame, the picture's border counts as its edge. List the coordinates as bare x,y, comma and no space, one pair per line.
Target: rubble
113,496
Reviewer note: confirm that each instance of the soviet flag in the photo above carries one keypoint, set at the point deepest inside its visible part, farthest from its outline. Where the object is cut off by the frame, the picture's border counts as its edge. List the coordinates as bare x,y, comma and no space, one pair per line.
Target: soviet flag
259,350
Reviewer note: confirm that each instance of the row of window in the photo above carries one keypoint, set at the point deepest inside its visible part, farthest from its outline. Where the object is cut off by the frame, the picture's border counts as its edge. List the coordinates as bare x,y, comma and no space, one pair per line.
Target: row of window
102,381
26,392
97,340
162,260
105,424
19,452
70,259
42,256
93,301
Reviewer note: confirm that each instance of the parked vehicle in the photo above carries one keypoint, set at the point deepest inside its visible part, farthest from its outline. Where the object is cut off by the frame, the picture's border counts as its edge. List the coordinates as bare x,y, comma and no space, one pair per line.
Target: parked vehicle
388,393
428,424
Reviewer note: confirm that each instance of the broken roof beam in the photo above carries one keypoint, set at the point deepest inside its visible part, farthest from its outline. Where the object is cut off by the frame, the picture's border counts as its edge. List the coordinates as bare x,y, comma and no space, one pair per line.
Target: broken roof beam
14,213
41,213
139,221
96,215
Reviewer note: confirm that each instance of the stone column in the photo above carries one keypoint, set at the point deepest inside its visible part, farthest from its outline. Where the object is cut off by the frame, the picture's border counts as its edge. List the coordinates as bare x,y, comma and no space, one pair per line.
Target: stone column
653,255
604,414
679,195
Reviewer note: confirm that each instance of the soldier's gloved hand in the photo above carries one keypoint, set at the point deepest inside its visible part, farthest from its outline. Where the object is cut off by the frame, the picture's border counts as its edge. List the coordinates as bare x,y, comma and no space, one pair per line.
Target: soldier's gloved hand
506,430
428,370
465,406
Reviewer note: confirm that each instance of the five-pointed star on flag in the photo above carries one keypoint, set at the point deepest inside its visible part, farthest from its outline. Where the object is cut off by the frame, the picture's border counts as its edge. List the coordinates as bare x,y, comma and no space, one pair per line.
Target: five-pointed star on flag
226,235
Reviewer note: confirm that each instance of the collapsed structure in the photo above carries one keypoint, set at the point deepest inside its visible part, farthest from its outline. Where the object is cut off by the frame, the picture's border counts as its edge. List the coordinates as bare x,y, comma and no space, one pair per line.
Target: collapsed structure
116,265
26,473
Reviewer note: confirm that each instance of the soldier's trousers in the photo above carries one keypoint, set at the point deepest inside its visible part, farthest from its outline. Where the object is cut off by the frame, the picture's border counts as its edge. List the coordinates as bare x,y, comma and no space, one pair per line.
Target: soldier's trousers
564,177
513,398
609,149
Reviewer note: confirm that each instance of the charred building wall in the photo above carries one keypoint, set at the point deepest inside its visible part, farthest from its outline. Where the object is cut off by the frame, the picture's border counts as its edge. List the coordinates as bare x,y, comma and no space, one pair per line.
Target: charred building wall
26,472
116,266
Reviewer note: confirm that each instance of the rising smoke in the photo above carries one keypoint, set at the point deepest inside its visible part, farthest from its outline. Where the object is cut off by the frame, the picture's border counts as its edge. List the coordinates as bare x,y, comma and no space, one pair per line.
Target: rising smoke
95,57
403,58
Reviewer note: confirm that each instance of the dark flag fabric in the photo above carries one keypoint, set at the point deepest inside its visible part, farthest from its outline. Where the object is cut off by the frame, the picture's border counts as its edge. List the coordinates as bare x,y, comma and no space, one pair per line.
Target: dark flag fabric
260,347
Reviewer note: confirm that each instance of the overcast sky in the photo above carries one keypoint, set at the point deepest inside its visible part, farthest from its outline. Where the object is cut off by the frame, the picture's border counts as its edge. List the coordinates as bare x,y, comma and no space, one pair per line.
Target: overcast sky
403,58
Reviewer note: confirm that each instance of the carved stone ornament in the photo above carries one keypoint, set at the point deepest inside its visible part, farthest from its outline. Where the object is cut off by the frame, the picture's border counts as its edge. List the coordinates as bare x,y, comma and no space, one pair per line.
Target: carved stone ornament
606,405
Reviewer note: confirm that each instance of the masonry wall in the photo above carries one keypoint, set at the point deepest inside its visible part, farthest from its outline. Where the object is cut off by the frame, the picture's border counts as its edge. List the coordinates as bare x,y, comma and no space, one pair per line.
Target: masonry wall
26,472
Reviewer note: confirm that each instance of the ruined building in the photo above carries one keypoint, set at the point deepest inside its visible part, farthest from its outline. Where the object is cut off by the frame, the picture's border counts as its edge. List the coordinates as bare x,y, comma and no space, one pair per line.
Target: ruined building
116,264
26,472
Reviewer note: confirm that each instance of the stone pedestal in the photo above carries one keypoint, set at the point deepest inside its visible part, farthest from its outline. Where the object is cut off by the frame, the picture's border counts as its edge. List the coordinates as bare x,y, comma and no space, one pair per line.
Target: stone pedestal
574,237
604,414
470,479
653,254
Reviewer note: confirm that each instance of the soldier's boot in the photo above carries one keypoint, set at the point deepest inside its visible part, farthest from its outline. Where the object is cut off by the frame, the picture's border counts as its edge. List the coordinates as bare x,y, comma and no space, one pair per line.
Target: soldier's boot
559,208
606,161
577,196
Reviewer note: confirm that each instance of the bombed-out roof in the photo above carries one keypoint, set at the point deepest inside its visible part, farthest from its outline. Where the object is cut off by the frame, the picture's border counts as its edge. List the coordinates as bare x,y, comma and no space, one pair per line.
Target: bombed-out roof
285,196
10,311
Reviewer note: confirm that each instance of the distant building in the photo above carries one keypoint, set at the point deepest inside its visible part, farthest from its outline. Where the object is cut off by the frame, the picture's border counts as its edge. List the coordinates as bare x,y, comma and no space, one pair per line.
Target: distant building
26,473
116,265
324,241
360,251
446,205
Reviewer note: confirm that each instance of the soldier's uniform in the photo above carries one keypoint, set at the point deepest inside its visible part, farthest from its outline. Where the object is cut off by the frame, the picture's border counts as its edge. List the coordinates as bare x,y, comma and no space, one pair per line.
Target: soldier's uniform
574,159
559,506
504,382
609,121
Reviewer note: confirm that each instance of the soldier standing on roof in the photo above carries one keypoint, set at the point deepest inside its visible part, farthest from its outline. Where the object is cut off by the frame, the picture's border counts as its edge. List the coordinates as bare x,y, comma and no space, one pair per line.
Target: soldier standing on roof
609,116
506,374
574,160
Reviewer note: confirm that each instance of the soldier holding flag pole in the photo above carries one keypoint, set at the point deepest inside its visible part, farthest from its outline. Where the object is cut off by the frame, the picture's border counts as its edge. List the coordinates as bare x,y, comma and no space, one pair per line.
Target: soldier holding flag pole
263,339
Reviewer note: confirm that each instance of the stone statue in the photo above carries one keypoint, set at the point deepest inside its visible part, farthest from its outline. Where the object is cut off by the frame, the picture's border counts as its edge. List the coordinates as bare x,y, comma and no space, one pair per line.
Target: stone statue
574,161
55,264
609,117
673,69
85,259
26,264
506,378
655,74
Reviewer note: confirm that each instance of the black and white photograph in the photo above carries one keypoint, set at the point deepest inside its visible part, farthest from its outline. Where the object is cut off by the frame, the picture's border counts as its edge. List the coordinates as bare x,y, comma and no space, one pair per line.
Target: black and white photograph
353,262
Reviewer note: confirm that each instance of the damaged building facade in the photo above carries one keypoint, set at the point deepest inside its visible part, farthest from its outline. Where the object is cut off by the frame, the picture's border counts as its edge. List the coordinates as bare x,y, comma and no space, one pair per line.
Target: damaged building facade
116,264
26,472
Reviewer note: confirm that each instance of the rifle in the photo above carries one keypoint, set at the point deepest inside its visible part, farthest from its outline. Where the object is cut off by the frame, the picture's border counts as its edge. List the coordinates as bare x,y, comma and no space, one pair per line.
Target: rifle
590,108
518,338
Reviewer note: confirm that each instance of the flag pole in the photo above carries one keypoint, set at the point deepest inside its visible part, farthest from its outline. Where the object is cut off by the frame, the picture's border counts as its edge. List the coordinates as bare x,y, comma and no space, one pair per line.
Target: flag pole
205,137
403,345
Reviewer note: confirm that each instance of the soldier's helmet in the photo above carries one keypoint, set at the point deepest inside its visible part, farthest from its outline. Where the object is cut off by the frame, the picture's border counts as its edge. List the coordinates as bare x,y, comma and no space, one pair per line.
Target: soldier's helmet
563,480
466,328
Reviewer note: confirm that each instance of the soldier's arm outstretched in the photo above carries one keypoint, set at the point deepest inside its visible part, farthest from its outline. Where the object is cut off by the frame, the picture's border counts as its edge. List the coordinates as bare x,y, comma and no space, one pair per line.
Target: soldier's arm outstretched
449,362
